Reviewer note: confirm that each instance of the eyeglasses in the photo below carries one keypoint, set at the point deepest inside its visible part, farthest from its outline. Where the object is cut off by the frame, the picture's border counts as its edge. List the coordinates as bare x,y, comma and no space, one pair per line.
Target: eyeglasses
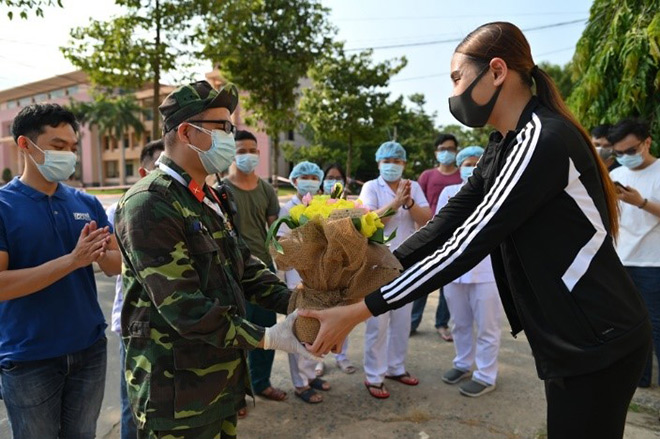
225,125
630,151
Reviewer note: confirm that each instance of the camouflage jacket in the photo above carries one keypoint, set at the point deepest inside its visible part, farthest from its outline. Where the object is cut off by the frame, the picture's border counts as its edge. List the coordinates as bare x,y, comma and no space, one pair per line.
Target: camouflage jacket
185,280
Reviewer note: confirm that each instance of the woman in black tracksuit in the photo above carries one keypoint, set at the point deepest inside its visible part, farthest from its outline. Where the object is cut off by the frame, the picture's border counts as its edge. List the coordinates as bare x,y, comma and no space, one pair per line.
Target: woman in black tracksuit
541,203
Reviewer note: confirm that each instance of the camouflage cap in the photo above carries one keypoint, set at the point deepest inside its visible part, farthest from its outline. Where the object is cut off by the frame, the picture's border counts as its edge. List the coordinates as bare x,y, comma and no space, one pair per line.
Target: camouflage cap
189,100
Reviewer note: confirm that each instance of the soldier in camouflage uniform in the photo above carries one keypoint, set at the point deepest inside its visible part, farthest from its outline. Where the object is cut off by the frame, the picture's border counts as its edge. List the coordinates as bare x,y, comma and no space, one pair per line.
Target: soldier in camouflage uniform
186,278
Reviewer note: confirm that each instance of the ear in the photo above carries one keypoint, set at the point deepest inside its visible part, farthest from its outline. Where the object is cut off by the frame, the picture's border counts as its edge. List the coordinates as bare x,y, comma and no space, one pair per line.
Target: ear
499,69
23,143
182,132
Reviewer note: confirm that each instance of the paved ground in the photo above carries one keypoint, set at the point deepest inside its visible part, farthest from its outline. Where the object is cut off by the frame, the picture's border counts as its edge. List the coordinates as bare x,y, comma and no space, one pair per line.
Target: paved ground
516,410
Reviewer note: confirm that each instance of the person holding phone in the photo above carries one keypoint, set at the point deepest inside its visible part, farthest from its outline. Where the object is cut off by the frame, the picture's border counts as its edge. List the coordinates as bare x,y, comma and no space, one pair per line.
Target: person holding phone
638,246
541,204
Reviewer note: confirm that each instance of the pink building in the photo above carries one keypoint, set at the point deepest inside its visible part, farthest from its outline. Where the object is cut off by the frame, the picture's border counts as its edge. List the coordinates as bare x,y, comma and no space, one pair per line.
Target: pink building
98,156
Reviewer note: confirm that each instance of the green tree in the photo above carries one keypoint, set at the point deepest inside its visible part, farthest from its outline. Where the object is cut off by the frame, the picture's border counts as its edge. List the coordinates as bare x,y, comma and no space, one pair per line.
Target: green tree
561,75
616,64
347,99
26,5
6,175
414,129
137,48
113,117
266,47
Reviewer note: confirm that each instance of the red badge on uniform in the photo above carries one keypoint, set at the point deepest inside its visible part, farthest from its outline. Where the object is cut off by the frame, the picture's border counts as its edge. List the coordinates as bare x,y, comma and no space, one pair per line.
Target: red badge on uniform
197,191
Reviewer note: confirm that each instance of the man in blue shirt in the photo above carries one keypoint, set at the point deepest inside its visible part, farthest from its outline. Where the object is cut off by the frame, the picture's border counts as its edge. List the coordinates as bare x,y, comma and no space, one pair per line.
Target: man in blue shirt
52,342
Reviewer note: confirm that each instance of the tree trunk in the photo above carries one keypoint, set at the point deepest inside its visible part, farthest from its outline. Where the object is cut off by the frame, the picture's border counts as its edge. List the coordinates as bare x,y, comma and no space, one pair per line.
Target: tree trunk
155,130
349,158
275,158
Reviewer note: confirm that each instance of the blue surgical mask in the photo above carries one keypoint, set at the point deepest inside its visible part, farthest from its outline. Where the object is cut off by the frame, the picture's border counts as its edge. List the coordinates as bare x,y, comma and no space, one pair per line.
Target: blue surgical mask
466,172
446,157
247,162
391,171
308,187
631,161
57,165
329,184
221,153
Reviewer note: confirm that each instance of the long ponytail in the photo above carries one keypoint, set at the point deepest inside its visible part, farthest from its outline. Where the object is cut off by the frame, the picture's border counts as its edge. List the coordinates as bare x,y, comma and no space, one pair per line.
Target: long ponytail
505,40
549,95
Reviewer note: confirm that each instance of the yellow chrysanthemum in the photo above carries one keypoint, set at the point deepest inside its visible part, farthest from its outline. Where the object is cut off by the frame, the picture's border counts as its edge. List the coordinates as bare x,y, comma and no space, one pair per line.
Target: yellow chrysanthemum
296,211
369,223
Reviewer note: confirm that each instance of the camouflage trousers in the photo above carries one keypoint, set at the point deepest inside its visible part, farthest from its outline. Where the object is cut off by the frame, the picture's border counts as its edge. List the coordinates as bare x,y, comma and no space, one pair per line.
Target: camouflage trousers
224,429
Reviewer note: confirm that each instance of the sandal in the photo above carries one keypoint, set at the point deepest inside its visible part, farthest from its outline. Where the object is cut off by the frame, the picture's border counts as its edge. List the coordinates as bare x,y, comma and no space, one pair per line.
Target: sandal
346,366
273,393
307,395
242,413
319,370
381,394
319,384
445,334
406,379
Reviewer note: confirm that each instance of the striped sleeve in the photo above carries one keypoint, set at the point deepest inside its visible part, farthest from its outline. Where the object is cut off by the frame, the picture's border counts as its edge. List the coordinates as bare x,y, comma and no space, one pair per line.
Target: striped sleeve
534,171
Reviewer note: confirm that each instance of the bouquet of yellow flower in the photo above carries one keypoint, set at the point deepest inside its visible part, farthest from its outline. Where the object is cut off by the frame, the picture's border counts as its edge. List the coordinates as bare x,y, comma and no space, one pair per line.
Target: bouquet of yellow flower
337,247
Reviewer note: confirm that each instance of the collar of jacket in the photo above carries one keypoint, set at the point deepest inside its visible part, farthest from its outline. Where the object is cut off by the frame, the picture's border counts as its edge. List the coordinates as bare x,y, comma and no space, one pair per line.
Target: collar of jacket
525,116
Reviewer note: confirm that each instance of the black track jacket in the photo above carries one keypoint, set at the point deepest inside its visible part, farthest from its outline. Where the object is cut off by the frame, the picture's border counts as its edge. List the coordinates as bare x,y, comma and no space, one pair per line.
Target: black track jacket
535,203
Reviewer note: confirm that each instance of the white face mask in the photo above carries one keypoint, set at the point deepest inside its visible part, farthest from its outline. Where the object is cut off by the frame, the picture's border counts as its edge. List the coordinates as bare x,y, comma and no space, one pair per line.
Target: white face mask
221,153
57,165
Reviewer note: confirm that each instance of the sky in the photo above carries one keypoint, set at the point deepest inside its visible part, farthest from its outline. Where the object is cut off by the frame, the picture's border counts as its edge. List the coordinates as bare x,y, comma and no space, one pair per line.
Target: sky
29,49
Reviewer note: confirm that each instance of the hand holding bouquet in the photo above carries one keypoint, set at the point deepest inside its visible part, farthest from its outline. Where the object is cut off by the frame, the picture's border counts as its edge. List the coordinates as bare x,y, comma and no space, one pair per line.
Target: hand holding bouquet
337,247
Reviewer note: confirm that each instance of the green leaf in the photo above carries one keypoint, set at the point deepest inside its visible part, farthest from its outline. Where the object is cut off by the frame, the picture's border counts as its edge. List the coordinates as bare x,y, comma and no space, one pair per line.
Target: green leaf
271,236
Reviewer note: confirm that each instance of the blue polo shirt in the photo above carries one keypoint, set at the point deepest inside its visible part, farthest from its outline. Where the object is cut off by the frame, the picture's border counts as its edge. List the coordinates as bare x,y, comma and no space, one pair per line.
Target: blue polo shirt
35,228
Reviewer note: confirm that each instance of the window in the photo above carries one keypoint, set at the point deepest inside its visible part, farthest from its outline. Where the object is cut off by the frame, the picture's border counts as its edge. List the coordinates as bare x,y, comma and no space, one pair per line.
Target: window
56,94
126,142
24,102
106,143
72,90
148,114
12,104
129,169
41,97
291,135
112,169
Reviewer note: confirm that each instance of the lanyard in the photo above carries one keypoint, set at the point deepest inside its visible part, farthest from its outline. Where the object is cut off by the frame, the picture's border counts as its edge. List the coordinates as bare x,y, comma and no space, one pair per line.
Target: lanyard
199,194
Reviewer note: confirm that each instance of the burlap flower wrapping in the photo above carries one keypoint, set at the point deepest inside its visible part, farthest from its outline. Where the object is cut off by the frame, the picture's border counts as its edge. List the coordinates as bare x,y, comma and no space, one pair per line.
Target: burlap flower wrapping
337,264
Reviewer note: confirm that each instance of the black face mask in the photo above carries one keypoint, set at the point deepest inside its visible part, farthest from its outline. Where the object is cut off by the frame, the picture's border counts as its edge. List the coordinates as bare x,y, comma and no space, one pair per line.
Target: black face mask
468,112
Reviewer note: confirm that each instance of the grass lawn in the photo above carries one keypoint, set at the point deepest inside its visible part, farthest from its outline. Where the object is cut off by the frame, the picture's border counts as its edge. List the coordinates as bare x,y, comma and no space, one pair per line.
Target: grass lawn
285,191
105,191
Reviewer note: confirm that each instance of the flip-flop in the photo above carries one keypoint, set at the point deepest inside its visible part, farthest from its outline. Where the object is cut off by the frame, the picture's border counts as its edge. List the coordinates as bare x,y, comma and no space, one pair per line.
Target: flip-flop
306,395
317,383
274,395
406,379
346,367
384,393
242,413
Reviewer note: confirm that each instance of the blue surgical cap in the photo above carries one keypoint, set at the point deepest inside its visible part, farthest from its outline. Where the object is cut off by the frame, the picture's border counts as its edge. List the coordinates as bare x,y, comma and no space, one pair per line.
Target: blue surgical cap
468,151
306,168
390,150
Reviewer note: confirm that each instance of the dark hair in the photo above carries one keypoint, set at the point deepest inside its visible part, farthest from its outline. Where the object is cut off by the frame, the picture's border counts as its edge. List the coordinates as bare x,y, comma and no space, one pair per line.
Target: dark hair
506,41
600,130
31,120
149,151
443,137
338,167
637,127
244,135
